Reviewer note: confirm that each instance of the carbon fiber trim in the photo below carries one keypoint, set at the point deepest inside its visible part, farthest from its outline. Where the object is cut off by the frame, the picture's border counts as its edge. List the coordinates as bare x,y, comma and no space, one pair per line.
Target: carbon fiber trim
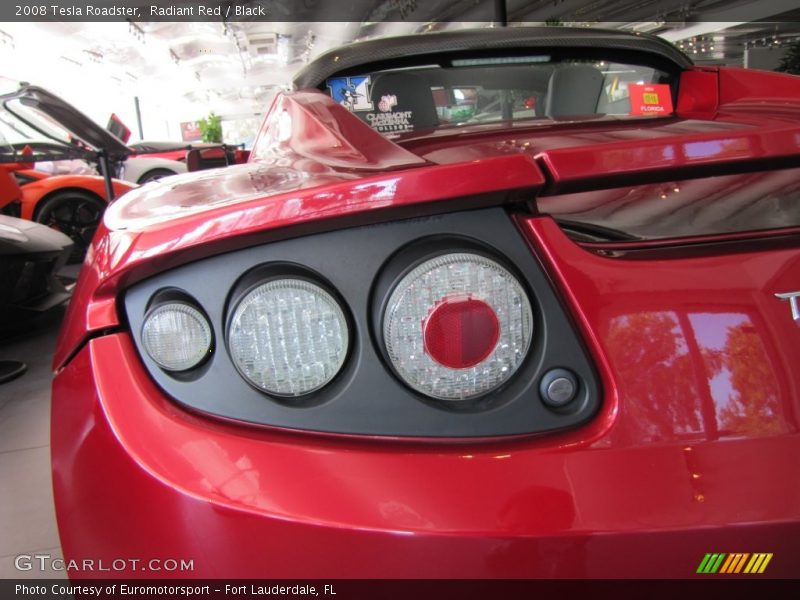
374,51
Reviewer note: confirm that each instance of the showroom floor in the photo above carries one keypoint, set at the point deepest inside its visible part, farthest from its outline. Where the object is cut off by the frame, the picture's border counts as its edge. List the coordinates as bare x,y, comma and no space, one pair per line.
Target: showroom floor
27,517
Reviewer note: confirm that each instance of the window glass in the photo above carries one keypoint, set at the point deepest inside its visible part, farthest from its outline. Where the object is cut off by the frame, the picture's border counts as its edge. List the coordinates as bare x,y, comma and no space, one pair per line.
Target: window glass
499,89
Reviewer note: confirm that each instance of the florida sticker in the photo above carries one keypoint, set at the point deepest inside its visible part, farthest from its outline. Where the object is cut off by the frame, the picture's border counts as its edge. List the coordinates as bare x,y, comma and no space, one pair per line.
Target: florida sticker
653,99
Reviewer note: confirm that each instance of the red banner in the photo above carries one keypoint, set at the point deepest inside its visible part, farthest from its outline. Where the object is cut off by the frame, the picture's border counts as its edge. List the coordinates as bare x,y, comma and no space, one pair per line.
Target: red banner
190,132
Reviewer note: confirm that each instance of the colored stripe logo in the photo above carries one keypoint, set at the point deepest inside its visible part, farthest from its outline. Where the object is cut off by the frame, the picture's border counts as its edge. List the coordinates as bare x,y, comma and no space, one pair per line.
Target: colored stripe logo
731,564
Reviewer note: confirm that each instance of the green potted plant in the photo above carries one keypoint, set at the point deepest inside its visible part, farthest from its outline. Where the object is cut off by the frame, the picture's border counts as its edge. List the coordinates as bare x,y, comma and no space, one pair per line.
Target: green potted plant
211,128
790,61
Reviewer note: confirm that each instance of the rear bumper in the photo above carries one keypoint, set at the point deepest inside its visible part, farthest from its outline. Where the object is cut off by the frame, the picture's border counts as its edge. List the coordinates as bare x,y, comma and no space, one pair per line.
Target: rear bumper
135,477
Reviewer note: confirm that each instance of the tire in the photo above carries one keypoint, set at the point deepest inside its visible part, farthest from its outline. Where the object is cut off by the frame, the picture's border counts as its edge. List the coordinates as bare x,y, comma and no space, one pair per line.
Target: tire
155,175
74,213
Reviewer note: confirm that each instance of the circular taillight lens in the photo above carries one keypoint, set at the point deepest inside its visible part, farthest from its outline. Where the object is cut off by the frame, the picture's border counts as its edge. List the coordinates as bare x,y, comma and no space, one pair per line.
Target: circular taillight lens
457,326
288,337
177,336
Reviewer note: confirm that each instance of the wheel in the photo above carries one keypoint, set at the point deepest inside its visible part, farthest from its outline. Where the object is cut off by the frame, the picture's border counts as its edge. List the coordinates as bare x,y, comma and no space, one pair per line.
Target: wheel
155,175
74,213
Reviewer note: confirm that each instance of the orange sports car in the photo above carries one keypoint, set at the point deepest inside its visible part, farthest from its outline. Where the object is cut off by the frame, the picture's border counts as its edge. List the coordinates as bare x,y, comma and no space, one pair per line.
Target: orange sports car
73,204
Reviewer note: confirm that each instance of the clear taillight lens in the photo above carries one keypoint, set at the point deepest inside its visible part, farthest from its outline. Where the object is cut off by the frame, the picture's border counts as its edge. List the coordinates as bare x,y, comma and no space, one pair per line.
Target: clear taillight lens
177,336
288,337
457,326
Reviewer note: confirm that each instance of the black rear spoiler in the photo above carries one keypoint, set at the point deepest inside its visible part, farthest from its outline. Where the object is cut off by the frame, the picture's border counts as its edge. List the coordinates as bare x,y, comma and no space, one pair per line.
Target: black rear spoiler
405,49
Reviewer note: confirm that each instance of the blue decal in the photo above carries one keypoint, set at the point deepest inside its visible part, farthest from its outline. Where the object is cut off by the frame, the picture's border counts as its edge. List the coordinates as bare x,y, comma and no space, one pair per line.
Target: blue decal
351,92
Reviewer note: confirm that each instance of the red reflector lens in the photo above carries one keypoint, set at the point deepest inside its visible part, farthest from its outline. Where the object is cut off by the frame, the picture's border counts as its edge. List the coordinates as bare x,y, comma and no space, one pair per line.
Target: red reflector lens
460,332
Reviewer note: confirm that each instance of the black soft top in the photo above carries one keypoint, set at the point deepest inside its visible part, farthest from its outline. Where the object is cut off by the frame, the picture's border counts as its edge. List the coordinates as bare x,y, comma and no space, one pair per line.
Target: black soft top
373,53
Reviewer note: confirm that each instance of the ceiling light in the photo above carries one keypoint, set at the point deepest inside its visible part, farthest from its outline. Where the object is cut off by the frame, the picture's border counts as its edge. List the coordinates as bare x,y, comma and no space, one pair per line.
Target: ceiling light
93,56
647,27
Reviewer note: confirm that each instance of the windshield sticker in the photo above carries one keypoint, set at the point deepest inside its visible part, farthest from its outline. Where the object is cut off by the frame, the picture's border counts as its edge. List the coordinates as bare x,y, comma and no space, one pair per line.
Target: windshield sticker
391,122
352,92
387,121
399,122
387,102
654,99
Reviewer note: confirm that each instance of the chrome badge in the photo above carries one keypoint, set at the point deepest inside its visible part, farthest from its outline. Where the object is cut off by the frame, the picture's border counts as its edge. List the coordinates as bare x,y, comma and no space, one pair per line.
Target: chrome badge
792,298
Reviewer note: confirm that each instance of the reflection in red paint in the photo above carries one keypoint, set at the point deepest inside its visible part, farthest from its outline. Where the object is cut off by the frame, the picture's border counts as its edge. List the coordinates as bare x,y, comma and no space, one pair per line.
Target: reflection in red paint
695,376
742,380
662,394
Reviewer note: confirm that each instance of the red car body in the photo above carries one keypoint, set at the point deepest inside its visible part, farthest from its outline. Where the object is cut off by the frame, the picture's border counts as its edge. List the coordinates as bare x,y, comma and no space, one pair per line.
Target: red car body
676,462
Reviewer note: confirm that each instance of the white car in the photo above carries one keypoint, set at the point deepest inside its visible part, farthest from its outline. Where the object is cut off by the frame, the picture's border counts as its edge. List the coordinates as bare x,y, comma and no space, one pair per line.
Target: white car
141,169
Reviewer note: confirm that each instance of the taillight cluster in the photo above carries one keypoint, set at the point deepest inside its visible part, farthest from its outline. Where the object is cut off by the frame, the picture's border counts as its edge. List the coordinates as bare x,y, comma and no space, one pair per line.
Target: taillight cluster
455,327
433,327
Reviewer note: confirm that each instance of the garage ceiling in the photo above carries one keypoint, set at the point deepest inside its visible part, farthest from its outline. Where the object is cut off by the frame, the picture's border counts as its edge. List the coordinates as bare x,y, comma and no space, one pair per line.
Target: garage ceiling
235,67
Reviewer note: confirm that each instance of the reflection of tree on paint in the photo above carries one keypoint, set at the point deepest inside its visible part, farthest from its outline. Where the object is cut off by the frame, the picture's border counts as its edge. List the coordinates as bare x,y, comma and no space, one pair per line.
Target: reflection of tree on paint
657,380
682,374
753,406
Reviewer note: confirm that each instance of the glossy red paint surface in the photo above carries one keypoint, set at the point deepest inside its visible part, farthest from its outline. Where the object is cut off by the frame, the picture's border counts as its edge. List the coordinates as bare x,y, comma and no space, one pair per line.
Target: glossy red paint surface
581,155
675,465
763,94
698,347
698,93
650,159
312,125
543,136
694,449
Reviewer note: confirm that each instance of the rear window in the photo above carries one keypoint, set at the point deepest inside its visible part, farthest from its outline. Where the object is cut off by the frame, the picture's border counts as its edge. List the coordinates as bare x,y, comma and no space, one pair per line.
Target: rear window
485,90
684,208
